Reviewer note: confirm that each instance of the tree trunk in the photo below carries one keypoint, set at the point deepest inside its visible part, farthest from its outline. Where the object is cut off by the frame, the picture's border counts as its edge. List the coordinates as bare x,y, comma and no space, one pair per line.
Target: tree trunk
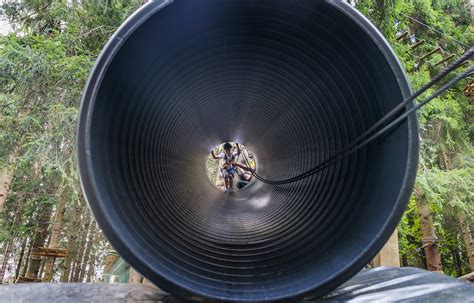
81,248
55,233
20,258
87,252
38,240
40,273
27,260
430,240
6,257
90,272
6,176
468,241
72,242
9,248
71,247
404,260
456,261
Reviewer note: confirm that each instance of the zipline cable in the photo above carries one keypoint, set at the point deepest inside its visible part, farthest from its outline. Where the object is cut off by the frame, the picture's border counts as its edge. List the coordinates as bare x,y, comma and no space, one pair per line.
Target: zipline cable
177,69
435,30
357,144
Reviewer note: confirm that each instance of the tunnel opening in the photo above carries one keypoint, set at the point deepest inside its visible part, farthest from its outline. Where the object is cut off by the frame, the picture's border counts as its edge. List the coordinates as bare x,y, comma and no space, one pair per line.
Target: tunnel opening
230,169
301,79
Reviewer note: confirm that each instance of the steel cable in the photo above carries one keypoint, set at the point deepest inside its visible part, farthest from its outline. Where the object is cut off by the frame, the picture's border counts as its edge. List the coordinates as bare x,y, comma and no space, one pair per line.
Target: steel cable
355,145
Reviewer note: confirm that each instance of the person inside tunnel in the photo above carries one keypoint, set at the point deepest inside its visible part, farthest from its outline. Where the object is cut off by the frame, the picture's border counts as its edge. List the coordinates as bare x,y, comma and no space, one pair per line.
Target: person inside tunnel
245,176
229,164
244,179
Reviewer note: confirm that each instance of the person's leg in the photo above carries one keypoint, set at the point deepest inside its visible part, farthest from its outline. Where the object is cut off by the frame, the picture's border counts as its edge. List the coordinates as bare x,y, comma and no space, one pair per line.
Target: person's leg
231,172
225,175
226,182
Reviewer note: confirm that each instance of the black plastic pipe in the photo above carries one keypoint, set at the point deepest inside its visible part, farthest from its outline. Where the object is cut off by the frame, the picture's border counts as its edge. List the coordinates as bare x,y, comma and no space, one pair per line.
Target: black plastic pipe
294,81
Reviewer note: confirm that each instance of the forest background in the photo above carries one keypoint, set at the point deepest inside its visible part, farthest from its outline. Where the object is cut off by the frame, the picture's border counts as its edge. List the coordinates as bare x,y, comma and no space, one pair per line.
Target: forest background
45,60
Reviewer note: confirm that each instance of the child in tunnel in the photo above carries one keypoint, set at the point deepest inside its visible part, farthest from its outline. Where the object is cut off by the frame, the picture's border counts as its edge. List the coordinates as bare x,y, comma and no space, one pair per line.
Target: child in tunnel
227,169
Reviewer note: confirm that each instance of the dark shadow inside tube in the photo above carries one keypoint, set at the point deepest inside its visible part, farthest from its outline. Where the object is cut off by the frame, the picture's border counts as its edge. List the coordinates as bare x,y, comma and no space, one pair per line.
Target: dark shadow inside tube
299,80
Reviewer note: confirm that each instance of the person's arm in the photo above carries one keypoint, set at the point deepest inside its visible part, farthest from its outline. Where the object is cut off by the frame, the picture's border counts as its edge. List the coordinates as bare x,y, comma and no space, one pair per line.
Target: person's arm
243,167
213,155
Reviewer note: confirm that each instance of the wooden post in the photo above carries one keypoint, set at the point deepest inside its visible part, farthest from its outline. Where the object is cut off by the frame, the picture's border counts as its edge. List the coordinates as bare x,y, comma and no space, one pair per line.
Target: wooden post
430,53
110,260
388,255
135,277
402,36
147,282
444,60
417,44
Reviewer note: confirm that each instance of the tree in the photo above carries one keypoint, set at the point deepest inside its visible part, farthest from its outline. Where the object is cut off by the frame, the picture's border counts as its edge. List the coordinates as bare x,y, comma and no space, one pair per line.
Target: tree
55,233
446,135
44,64
87,253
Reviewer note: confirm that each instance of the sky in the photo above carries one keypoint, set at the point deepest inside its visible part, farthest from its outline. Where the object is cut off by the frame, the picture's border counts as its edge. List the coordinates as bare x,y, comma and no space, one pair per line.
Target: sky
4,27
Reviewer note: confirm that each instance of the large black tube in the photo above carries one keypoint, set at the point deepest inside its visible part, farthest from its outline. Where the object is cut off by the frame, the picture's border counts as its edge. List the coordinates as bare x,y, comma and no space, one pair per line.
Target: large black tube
294,81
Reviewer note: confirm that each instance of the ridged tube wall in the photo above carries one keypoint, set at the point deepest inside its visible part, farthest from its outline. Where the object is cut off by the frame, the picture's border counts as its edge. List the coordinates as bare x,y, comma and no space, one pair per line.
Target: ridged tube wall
294,81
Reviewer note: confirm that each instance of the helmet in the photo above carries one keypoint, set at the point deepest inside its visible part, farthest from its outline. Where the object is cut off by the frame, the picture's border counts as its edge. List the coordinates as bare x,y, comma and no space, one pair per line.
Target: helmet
227,145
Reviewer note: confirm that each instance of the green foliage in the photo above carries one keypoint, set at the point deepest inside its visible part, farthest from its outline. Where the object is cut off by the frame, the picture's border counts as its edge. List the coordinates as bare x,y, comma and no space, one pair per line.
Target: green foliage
45,61
449,190
446,160
44,64
409,233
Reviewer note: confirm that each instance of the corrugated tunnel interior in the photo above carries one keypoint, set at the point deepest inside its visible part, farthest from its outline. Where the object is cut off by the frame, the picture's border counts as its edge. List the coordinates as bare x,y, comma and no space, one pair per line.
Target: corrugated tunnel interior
295,81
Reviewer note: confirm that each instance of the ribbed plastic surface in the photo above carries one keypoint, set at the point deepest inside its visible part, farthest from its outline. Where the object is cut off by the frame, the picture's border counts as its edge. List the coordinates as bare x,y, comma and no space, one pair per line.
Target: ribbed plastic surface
292,80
